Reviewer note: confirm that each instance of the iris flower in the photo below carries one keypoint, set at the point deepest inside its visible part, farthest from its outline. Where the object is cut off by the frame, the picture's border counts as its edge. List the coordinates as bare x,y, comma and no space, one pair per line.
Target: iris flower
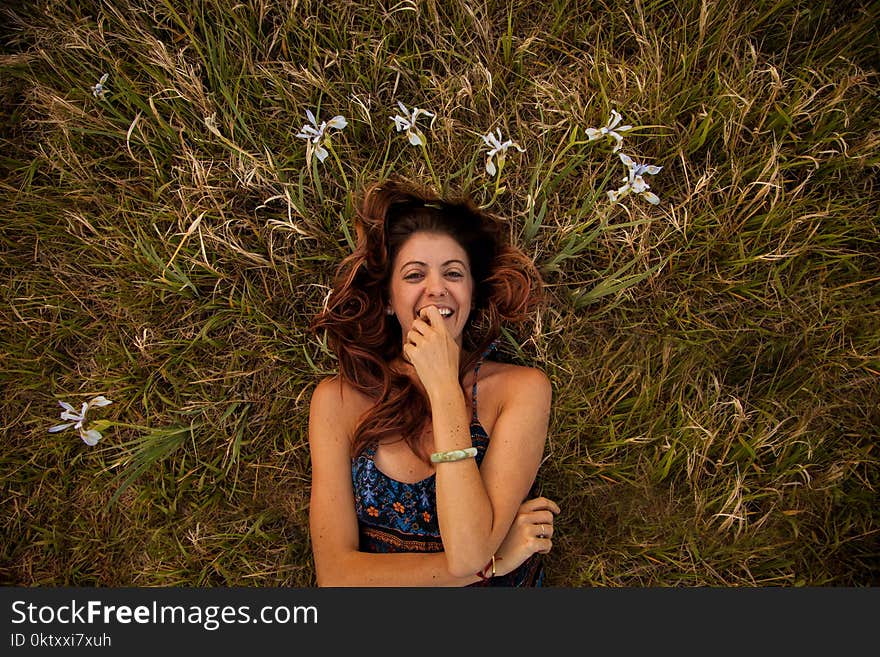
634,181
498,149
317,133
611,129
408,122
98,90
90,436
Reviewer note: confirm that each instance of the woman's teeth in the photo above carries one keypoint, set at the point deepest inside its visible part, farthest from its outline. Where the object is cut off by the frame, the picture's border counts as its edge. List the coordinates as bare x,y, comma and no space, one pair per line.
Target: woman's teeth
444,312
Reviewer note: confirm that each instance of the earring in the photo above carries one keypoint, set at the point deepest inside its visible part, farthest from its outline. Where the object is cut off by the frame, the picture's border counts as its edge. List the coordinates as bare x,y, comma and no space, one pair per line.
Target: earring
389,311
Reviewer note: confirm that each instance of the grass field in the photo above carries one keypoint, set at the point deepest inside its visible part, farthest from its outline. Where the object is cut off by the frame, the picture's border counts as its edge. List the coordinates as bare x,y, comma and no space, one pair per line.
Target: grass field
166,238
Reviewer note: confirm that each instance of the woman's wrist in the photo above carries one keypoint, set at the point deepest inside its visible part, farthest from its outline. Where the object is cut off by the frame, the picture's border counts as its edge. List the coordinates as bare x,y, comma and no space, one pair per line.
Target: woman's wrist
496,567
445,393
502,565
447,402
450,421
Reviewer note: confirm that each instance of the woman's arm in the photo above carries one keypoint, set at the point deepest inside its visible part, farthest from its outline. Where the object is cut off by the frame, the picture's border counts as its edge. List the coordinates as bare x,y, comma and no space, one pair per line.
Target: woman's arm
332,518
476,506
498,487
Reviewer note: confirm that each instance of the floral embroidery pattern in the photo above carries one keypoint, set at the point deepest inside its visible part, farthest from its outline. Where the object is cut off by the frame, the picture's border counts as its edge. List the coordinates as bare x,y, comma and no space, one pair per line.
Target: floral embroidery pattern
404,510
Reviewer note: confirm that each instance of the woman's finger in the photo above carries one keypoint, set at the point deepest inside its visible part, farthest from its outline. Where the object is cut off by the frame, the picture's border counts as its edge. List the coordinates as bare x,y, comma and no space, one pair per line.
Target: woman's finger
544,530
406,347
420,326
414,338
432,316
544,516
538,503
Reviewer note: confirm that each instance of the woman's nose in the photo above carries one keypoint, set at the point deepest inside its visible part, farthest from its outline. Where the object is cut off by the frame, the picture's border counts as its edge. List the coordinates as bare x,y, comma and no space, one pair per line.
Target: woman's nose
435,286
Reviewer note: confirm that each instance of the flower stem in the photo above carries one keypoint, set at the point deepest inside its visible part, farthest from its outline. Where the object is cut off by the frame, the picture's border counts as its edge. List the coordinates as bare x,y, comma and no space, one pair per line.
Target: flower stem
497,188
431,168
329,147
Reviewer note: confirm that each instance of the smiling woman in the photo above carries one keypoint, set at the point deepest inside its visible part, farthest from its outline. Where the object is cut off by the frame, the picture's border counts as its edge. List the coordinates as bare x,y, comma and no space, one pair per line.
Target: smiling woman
413,482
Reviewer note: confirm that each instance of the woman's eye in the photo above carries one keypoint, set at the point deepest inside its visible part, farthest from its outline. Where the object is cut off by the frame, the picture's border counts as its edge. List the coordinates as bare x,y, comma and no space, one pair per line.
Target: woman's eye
413,276
454,274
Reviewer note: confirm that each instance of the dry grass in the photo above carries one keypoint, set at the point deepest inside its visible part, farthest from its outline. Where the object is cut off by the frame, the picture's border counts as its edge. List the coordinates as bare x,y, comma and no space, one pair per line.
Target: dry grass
715,358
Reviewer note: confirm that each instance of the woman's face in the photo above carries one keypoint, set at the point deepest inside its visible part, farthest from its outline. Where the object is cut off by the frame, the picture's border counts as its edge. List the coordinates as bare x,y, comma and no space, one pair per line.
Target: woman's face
432,269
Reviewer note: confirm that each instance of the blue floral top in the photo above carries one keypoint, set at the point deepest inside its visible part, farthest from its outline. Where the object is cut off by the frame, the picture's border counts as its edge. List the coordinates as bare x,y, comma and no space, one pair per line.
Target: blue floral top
395,516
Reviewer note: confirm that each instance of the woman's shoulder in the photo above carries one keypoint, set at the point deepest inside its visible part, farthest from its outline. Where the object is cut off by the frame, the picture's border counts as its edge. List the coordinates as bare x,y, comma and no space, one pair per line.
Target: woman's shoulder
336,394
510,380
514,374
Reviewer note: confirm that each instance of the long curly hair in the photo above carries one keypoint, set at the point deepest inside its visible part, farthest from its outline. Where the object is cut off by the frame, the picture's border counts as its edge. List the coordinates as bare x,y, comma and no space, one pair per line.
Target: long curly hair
507,288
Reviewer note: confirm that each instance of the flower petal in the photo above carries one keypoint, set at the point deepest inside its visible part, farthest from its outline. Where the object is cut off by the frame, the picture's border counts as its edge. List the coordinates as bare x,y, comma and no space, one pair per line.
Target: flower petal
651,197
415,137
90,437
338,122
100,400
627,160
490,167
311,118
60,427
320,153
66,406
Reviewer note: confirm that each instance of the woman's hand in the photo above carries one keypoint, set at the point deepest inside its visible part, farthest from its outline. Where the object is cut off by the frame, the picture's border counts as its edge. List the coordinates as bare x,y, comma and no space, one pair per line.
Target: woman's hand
531,532
432,351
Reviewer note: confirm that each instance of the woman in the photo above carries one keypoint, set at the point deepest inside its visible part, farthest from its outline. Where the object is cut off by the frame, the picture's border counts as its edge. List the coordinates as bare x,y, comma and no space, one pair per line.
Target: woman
407,487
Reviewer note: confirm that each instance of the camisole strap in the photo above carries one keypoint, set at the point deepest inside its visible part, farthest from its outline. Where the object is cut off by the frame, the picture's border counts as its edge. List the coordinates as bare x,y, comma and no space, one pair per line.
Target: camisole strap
489,350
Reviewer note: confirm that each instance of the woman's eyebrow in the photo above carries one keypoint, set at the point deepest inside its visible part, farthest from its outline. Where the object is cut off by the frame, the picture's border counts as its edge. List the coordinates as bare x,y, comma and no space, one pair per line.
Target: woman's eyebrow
425,264
413,262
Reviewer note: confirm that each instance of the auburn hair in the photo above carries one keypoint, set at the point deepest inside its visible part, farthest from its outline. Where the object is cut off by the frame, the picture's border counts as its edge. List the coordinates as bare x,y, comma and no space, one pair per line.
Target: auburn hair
507,288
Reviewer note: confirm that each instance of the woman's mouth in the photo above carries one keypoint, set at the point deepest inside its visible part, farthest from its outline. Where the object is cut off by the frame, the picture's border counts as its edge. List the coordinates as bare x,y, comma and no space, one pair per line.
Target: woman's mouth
445,312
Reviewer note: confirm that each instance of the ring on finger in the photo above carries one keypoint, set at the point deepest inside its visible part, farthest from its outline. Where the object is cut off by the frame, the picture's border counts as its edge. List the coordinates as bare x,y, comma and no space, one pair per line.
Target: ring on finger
543,533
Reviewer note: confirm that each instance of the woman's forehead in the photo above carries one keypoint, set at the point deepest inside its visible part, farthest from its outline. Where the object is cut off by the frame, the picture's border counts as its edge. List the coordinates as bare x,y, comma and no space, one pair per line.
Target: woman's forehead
431,248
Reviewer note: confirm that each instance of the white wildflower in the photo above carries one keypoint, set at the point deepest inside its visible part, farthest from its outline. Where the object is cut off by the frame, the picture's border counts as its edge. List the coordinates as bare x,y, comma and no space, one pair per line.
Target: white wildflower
317,133
98,90
498,150
89,436
408,122
611,129
634,181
